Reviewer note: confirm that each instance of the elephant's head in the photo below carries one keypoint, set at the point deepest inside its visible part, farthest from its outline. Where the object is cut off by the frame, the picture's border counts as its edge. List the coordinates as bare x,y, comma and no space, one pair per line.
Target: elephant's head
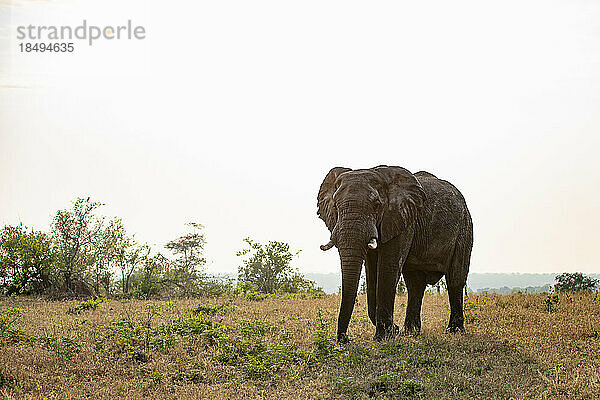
363,209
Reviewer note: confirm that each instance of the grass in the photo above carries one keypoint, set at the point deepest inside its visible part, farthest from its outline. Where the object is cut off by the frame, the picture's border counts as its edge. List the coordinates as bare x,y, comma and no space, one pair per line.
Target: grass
516,346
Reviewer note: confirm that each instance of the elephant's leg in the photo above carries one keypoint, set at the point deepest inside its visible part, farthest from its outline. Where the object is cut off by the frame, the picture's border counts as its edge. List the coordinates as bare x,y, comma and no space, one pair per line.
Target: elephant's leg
415,285
457,319
456,279
371,271
391,257
386,294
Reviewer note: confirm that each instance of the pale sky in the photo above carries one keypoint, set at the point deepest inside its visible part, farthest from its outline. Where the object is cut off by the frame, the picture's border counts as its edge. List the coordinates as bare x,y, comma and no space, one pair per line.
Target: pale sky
230,113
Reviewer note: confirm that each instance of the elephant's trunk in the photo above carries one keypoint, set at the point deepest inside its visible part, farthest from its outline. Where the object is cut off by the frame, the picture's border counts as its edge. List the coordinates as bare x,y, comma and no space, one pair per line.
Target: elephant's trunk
352,260
353,234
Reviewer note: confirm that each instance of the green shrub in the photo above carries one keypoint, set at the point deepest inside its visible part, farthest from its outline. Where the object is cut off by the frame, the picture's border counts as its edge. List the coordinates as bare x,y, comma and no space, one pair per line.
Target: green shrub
213,286
64,345
267,267
254,327
136,340
410,387
197,325
191,374
358,354
259,360
85,305
9,334
211,310
470,312
347,386
324,344
393,384
551,302
255,296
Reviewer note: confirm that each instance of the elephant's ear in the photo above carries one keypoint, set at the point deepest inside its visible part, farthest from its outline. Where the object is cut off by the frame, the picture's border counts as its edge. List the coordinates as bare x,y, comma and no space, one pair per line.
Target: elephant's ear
405,199
326,206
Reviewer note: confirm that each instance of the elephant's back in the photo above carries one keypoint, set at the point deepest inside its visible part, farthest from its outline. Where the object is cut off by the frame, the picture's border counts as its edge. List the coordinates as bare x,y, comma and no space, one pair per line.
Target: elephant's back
441,191
425,174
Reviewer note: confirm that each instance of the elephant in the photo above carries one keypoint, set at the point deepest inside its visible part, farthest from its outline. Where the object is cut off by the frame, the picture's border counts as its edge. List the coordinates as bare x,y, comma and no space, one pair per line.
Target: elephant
397,223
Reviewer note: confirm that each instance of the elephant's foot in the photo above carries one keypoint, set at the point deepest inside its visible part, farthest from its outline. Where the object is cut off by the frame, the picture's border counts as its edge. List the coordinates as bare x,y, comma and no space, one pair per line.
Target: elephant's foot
386,333
456,324
455,329
343,338
411,330
412,327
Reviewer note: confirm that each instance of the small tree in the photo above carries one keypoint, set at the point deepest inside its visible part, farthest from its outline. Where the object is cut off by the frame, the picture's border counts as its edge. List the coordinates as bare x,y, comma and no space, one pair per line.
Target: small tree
25,260
105,248
150,278
268,267
74,231
575,282
135,258
189,248
128,255
189,263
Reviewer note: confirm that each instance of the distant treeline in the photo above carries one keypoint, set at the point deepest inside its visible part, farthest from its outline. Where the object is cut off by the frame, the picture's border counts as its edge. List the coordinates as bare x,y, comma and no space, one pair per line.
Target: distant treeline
476,283
86,254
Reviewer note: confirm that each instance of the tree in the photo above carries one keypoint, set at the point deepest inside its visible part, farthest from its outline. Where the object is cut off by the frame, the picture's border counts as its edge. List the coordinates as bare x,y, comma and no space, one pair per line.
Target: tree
74,232
575,282
189,248
135,257
149,279
268,267
105,247
190,261
25,260
124,252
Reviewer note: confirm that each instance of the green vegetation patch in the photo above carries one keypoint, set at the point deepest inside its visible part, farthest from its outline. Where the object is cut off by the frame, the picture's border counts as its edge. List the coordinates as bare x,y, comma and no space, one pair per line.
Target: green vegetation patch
212,309
8,333
85,305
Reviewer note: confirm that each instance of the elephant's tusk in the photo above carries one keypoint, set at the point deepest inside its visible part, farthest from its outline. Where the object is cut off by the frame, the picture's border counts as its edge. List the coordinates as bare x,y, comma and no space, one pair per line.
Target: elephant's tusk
372,244
327,246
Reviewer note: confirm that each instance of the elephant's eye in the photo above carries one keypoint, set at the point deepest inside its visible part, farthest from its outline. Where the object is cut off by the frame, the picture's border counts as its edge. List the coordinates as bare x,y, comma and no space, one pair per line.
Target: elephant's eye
374,198
377,203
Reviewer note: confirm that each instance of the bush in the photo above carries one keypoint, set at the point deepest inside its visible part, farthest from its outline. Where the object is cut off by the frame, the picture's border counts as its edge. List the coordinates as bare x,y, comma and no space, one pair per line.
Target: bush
325,345
85,305
8,334
65,346
470,312
551,302
26,261
136,340
268,268
575,282
211,310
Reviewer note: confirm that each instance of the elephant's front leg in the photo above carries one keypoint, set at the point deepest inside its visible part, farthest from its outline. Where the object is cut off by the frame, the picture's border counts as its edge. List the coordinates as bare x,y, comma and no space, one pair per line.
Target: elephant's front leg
391,258
371,272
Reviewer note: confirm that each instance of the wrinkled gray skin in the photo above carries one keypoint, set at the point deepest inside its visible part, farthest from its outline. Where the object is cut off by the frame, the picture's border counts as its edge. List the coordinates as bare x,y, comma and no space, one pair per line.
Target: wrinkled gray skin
422,230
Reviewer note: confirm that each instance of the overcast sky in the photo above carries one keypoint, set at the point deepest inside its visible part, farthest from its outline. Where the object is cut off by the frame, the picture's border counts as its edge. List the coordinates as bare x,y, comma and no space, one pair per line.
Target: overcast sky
230,113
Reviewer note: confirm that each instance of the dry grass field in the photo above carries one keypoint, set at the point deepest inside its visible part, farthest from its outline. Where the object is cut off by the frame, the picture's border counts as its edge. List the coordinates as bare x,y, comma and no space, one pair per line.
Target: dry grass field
516,346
